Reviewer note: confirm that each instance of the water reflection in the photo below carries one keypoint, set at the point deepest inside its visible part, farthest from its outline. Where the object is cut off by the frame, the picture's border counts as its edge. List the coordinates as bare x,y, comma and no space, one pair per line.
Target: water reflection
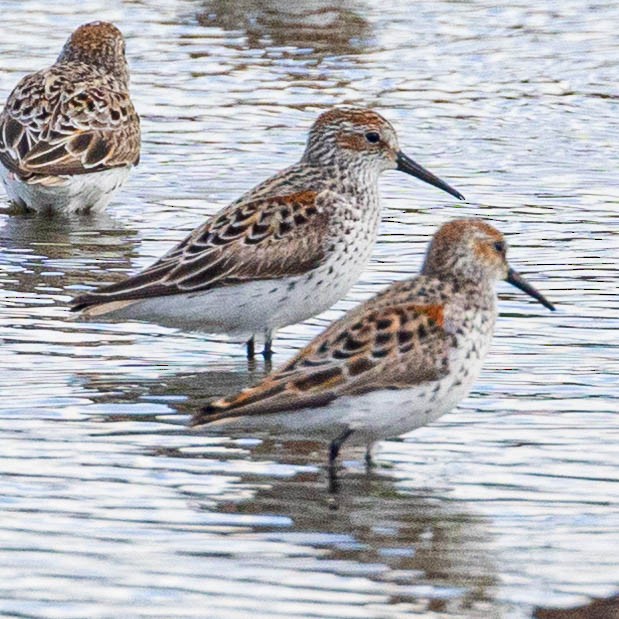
314,28
44,256
423,552
184,392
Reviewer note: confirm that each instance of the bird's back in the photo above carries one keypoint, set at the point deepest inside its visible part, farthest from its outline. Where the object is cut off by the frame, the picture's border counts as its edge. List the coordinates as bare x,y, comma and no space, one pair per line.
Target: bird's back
59,121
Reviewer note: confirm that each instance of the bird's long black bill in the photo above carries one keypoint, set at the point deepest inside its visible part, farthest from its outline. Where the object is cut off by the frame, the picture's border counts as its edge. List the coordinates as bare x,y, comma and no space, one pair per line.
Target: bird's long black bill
406,164
515,279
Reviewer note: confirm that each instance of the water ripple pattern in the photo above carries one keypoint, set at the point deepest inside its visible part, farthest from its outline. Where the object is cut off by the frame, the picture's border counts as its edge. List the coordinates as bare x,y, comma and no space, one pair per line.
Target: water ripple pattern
112,508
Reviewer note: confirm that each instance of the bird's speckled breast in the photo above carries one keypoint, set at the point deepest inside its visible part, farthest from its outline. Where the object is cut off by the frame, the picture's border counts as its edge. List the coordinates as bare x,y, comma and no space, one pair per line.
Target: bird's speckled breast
349,243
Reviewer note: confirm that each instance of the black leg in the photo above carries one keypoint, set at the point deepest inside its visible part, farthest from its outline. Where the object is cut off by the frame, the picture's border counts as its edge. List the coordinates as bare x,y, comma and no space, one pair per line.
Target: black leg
336,445
334,450
267,353
251,348
334,482
268,365
369,463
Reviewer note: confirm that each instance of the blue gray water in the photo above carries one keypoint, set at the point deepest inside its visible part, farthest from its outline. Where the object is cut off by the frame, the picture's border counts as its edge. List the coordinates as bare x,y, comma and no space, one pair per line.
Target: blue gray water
110,507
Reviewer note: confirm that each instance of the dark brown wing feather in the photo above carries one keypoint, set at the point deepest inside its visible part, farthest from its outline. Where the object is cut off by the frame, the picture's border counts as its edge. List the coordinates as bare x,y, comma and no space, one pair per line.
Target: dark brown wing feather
396,340
59,122
266,238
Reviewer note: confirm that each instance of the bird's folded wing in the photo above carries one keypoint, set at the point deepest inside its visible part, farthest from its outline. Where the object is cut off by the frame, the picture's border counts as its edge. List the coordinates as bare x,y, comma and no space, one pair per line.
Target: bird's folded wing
48,128
267,238
395,346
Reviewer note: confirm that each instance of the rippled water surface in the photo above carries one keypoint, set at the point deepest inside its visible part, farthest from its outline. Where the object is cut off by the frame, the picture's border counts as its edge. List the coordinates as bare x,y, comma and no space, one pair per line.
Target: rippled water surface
110,507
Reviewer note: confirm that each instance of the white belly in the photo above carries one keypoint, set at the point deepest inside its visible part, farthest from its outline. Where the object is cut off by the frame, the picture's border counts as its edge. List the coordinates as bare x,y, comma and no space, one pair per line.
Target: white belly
254,307
378,415
244,309
70,194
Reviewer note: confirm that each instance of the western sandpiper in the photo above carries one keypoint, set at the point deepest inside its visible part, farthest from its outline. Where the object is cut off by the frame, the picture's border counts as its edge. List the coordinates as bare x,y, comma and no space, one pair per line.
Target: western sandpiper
69,134
395,363
286,250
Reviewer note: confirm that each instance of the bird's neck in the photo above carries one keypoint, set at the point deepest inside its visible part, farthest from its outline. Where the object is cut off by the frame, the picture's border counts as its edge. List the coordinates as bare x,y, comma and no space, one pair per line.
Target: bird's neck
304,176
346,177
105,65
480,290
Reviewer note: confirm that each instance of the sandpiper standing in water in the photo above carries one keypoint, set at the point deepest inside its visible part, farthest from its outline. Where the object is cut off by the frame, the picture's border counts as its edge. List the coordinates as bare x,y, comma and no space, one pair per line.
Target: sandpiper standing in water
69,134
285,251
395,363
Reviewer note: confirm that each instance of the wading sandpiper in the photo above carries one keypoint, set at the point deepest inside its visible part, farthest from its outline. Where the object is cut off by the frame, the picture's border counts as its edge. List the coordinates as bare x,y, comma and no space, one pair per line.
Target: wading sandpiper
393,364
285,251
69,134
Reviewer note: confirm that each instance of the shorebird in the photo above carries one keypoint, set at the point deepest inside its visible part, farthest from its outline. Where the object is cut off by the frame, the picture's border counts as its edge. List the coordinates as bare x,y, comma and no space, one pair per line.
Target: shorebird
69,134
285,251
393,364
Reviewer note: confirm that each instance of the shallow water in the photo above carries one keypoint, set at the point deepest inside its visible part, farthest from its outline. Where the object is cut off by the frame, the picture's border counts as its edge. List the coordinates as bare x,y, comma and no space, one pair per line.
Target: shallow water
111,507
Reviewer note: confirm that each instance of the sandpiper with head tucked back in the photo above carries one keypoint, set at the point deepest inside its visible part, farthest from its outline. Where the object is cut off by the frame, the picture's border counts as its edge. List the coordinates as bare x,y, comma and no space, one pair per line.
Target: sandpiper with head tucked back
69,134
285,251
395,363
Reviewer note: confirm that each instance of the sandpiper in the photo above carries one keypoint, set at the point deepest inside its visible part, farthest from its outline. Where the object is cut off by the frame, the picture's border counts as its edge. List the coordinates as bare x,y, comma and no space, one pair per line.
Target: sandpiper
69,134
286,250
395,363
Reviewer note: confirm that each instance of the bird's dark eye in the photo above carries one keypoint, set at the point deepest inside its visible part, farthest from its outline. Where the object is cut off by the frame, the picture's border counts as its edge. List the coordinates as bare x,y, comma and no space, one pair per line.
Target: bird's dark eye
373,137
499,246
